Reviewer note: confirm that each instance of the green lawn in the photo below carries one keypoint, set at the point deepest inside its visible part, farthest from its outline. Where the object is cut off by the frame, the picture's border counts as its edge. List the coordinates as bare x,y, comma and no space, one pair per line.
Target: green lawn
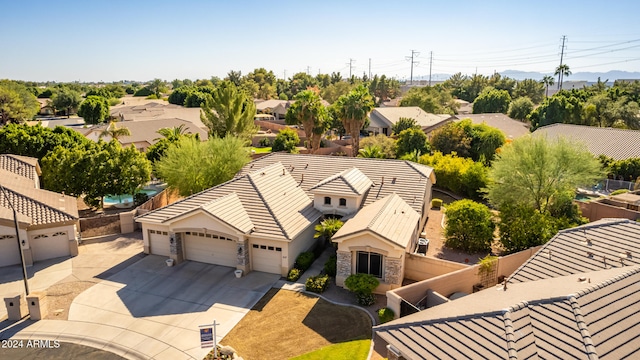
261,150
352,350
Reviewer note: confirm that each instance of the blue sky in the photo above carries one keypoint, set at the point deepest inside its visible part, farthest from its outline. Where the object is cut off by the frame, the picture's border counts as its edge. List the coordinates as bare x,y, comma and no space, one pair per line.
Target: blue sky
140,40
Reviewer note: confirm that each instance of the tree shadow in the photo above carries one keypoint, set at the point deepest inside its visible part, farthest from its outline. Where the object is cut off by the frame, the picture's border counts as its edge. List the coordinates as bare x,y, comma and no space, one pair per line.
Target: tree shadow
338,323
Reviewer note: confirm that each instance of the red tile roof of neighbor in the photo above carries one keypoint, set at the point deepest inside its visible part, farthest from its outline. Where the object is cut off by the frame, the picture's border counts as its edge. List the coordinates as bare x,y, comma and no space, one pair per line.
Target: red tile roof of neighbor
564,302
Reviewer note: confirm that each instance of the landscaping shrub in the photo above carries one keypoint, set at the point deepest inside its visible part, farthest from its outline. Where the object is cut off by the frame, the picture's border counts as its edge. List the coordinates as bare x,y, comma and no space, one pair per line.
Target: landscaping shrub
294,274
385,315
264,142
317,284
436,203
330,267
469,226
304,260
619,191
152,97
286,140
362,285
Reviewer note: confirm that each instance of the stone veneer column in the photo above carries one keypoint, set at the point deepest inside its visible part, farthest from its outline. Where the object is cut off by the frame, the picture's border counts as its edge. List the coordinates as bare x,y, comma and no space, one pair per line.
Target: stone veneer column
343,266
244,262
392,271
175,247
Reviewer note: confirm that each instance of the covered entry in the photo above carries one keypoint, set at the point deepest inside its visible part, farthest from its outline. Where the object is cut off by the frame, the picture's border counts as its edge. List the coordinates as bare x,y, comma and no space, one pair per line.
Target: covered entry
210,248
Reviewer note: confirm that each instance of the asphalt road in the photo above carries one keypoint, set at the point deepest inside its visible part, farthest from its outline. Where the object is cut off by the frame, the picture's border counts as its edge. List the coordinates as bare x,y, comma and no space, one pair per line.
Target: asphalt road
65,351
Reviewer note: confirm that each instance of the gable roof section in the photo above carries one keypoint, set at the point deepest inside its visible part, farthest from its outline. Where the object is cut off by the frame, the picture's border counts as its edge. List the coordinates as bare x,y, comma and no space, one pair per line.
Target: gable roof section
409,180
41,206
348,181
24,166
274,203
390,217
553,318
387,116
595,246
618,144
511,128
227,209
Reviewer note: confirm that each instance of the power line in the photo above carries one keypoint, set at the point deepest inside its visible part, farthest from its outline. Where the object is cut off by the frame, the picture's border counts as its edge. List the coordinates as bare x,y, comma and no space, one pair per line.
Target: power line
413,55
351,61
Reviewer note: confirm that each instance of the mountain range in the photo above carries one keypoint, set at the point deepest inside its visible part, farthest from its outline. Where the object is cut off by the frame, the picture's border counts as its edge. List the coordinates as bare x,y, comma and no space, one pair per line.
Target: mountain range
611,75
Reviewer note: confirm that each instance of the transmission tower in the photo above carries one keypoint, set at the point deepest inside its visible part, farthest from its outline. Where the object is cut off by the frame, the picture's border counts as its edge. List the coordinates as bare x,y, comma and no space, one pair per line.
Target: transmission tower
414,54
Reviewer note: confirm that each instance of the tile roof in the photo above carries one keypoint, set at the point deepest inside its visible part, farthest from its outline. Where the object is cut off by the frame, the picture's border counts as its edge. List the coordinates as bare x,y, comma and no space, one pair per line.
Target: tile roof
275,204
598,245
155,110
511,128
348,181
41,206
405,178
563,317
147,131
228,209
387,116
618,144
21,165
390,217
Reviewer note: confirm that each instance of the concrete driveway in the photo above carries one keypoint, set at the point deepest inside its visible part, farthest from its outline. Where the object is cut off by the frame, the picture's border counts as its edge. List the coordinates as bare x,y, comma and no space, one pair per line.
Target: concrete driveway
168,303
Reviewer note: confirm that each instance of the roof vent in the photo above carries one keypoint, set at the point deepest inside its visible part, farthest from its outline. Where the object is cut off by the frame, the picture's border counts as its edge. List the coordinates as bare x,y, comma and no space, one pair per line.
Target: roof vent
628,253
582,279
283,172
382,180
589,254
306,165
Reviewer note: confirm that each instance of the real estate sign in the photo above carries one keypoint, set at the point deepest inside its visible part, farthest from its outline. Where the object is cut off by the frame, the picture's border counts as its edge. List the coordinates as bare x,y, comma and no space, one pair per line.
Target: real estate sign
206,337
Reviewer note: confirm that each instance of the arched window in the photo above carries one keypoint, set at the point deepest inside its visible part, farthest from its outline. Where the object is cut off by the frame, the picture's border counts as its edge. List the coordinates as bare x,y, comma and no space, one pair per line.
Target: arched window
41,236
59,233
327,200
2,237
343,202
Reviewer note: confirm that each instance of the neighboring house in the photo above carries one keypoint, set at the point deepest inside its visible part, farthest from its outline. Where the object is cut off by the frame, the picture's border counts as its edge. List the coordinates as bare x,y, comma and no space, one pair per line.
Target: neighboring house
143,133
618,144
276,108
45,107
264,218
577,297
511,128
47,220
382,119
156,110
464,107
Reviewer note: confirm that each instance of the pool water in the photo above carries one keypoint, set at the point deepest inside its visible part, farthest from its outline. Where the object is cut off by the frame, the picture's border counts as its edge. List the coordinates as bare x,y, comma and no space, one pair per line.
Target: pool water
126,198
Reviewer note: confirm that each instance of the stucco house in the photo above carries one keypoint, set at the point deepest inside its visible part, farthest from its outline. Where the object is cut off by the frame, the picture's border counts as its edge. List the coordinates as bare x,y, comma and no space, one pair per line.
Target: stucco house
265,217
47,221
382,119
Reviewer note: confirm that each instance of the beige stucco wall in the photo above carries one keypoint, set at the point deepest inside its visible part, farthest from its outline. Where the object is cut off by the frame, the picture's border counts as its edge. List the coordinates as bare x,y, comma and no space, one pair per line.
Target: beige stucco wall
420,267
353,203
303,242
596,210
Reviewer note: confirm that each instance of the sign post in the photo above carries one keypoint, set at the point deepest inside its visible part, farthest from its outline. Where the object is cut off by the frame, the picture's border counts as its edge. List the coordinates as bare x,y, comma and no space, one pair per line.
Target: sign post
208,337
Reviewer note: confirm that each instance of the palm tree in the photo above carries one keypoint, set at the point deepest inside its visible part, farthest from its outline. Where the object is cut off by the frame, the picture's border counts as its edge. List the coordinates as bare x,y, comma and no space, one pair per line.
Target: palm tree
114,131
172,134
353,109
327,228
309,112
371,151
548,80
562,71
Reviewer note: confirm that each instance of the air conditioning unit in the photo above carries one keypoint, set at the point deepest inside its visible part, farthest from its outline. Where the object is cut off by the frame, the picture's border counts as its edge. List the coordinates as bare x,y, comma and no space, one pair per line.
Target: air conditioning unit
423,245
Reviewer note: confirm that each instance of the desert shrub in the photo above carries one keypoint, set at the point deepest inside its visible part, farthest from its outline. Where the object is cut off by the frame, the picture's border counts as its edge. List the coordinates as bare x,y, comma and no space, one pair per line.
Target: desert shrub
286,140
362,285
317,284
152,97
385,315
143,92
436,203
304,260
469,226
113,101
331,266
264,142
294,274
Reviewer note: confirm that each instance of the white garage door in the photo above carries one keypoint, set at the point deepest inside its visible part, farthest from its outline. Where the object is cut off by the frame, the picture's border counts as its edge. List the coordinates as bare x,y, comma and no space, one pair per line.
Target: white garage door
159,242
49,246
9,254
266,258
210,249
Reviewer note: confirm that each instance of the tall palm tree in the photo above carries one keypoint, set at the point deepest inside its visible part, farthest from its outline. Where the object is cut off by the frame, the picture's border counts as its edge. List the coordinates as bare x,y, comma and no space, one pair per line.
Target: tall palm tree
562,71
548,80
114,131
353,109
309,112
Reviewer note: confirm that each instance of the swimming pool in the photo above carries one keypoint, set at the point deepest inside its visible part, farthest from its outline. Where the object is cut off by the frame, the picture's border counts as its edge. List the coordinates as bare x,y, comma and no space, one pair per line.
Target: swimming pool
127,198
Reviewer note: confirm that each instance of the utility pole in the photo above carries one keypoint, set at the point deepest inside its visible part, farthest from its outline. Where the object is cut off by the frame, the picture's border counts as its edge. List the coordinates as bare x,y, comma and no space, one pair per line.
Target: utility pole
369,68
351,61
308,70
430,64
285,75
413,55
560,75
